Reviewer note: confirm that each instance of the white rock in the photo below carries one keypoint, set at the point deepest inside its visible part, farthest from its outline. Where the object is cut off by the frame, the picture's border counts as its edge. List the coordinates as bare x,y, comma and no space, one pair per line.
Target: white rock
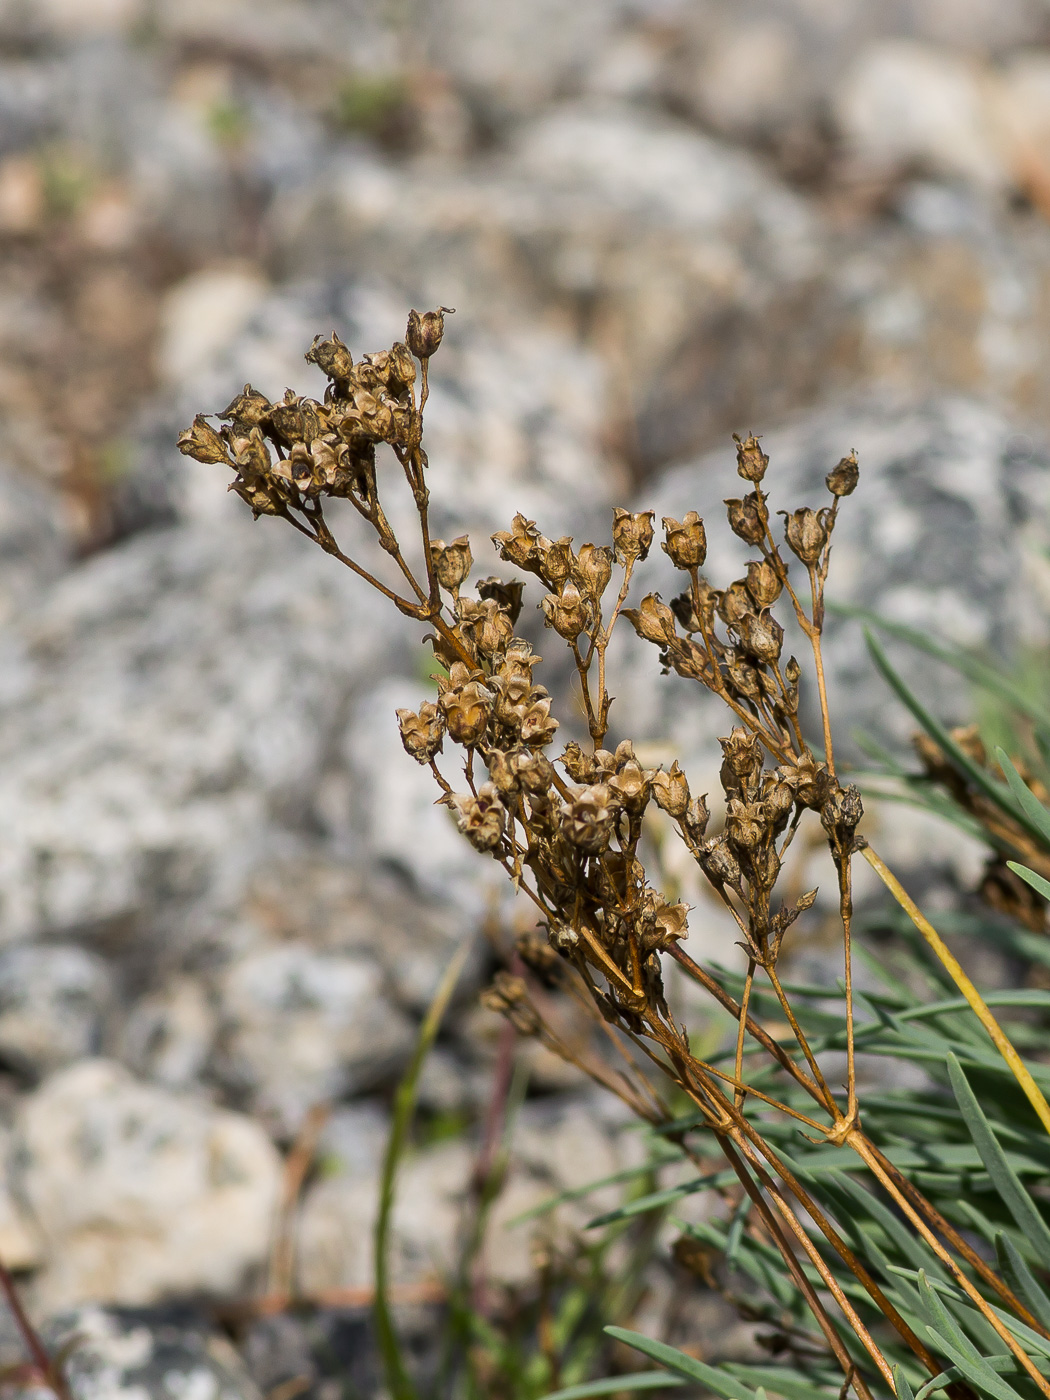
301,1028
168,1035
140,1193
944,529
53,1000
182,695
905,103
202,314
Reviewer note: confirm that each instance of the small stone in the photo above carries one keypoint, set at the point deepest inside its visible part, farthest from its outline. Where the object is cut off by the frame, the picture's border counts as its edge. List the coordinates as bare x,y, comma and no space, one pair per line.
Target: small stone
53,999
140,1193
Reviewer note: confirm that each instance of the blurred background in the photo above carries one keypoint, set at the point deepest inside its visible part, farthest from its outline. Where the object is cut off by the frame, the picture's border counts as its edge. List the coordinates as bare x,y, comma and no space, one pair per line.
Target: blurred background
225,897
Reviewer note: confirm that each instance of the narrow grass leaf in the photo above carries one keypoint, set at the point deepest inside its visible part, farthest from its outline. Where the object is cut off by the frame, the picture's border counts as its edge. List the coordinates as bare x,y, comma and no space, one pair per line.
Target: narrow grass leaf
688,1367
1026,798
1021,1279
1006,1181
613,1385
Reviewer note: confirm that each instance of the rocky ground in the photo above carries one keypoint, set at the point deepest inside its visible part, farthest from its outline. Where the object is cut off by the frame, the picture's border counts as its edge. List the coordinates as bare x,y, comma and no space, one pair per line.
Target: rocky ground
225,895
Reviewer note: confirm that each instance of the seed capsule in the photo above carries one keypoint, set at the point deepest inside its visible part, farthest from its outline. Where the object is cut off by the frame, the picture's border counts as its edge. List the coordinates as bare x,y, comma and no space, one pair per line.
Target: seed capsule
686,542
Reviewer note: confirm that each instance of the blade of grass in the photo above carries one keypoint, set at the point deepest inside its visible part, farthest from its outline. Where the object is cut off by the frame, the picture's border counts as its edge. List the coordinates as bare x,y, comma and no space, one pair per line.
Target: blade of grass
999,793
686,1366
977,1005
637,1380
1006,1181
399,1383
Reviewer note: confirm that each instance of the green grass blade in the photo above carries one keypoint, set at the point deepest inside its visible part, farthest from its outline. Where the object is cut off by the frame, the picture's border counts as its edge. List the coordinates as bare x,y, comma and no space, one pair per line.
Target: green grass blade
1006,1181
1021,1279
613,1385
999,793
1037,882
398,1381
980,672
901,1386
1026,798
685,1366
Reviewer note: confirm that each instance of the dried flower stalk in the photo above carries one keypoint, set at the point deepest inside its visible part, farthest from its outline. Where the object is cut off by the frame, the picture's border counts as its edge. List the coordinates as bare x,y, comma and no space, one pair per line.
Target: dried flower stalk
567,830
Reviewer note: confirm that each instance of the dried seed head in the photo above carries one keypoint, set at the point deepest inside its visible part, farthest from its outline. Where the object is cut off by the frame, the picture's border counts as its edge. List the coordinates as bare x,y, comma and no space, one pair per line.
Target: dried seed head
564,938
751,461
249,408
331,357
808,780
557,562
202,442
587,818
653,620
686,542
696,818
672,923
842,480
421,733
402,366
779,799
538,725
485,624
451,562
741,759
522,545
805,533
509,996
466,709
763,583
507,595
735,603
424,332
745,823
747,518
580,766
671,790
840,813
569,613
631,786
719,863
632,534
594,569
762,637
480,818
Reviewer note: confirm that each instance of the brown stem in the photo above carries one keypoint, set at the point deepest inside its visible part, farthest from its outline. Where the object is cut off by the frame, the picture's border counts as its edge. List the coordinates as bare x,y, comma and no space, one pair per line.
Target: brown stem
738,1064
796,1030
818,662
871,1159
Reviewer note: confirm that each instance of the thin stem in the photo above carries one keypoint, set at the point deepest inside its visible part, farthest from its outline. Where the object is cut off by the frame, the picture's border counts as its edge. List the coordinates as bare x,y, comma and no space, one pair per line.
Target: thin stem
846,916
772,1047
871,1160
818,662
794,1268
796,1029
976,1002
738,1064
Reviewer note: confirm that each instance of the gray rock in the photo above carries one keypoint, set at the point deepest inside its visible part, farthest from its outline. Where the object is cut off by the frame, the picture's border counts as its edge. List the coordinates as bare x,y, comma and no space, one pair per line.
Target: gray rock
300,1028
181,699
670,246
946,533
152,1354
168,1035
53,1004
139,1193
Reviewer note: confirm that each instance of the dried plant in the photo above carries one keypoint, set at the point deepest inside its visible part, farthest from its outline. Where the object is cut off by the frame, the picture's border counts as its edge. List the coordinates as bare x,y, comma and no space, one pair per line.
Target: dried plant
567,829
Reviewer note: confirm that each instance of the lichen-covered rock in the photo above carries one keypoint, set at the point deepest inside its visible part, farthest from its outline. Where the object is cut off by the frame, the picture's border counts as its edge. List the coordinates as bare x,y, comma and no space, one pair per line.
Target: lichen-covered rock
53,1003
149,1354
139,1193
300,1028
946,533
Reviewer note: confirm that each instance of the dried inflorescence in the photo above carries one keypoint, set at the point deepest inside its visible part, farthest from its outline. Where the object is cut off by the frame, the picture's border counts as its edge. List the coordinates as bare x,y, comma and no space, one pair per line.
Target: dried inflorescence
569,828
